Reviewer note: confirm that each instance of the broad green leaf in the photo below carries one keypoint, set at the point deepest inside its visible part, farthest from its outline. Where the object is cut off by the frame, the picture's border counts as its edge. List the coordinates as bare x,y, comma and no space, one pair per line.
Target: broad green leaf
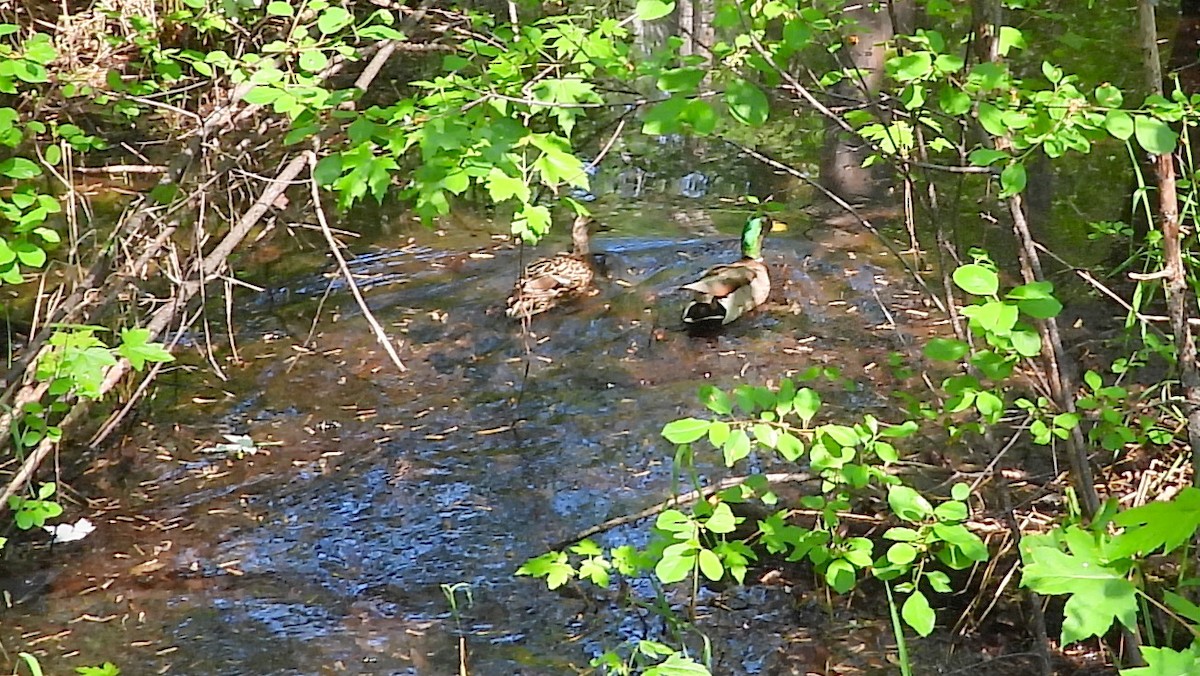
678,665
1010,38
716,400
747,103
901,553
1098,594
1012,179
1167,662
1154,136
1027,343
30,254
19,168
1155,525
945,349
977,280
841,575
1119,124
313,60
649,10
685,431
681,79
917,613
664,118
789,447
914,66
722,519
334,19
710,564
806,404
1108,96
328,170
278,8
501,186
908,504
736,447
676,563
983,157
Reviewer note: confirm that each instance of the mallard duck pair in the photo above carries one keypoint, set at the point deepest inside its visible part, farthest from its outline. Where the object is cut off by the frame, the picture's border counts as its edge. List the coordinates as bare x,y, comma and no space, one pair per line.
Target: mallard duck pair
547,282
722,294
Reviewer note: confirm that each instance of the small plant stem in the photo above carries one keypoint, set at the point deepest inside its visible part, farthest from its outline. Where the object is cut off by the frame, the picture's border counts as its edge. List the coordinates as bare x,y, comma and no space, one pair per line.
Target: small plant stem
898,630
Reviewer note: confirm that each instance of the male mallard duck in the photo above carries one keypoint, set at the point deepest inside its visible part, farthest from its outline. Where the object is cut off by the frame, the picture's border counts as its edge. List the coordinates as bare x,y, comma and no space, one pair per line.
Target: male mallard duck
725,292
547,282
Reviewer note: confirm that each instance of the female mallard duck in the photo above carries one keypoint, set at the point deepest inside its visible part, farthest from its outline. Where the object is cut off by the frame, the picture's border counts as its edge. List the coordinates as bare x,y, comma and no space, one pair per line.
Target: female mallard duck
547,282
726,292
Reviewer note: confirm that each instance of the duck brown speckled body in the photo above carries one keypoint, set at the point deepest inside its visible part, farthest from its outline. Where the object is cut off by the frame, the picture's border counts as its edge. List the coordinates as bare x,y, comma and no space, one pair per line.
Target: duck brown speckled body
548,282
726,292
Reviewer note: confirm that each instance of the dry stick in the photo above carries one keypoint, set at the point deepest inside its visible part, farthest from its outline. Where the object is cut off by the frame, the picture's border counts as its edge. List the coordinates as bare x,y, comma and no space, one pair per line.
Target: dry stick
1062,380
208,267
334,248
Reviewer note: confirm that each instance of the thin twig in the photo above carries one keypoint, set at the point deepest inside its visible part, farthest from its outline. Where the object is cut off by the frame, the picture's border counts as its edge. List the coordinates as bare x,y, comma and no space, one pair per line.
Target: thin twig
335,249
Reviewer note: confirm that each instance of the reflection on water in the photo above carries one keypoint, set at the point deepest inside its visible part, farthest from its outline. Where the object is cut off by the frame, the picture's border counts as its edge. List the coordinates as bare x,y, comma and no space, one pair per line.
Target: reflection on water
329,553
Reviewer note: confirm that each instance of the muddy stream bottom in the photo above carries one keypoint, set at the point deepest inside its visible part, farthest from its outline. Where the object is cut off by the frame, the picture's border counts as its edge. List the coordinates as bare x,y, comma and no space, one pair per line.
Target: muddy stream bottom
327,550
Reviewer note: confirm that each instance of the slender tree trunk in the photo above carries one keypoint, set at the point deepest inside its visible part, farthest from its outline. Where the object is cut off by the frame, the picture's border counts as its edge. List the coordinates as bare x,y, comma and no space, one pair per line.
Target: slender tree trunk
1174,271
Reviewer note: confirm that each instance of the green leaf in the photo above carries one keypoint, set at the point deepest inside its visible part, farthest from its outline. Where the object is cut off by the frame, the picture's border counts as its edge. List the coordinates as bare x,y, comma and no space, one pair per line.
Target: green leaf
1098,593
710,564
681,79
841,575
1166,662
664,118
313,60
917,613
945,349
678,665
901,553
686,431
1012,179
501,186
40,49
328,170
722,519
789,447
261,96
676,563
278,8
1010,38
806,404
718,433
1154,135
1108,96
649,10
30,254
35,668
1166,525
1027,343
747,103
977,280
19,168
716,400
736,447
1119,124
334,19
138,351
908,504
983,157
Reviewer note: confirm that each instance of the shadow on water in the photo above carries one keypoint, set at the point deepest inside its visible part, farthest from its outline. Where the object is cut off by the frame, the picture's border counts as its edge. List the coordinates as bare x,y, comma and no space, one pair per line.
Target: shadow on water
328,550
